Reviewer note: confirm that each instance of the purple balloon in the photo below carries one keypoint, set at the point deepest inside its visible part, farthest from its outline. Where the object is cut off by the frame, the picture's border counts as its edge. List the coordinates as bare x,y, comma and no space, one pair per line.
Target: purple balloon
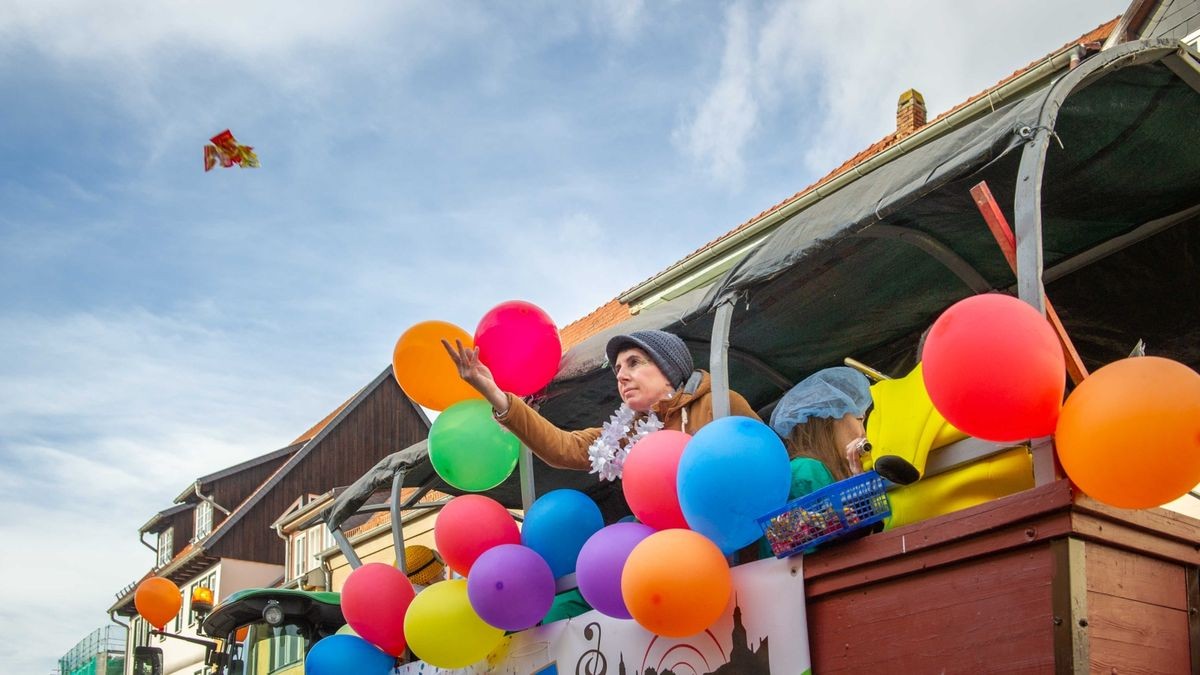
601,561
511,587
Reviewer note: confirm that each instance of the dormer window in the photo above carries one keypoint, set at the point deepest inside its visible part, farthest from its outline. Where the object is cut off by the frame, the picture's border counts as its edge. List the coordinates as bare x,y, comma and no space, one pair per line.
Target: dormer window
166,546
204,520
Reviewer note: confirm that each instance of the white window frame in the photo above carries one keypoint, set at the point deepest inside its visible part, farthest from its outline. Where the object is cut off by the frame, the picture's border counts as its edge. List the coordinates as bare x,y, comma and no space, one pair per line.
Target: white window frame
204,520
166,546
299,551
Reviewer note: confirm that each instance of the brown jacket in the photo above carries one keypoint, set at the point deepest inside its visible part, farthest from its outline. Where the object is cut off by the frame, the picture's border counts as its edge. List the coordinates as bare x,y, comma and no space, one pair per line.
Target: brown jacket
687,411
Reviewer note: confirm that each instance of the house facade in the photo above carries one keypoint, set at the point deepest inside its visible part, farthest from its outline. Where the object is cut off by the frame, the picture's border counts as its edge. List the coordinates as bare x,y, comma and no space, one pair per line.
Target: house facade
221,533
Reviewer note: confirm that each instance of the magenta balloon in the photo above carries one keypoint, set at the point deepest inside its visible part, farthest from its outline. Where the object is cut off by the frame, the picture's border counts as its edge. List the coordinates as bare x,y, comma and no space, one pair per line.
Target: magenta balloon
511,587
601,561
648,479
519,343
375,599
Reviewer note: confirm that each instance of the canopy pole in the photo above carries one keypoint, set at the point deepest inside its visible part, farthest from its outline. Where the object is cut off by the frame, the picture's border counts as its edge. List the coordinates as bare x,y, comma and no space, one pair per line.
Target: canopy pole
398,523
718,361
525,469
345,547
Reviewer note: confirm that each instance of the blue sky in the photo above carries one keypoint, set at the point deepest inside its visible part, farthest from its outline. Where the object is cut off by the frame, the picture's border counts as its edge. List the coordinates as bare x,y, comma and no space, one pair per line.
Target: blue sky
419,161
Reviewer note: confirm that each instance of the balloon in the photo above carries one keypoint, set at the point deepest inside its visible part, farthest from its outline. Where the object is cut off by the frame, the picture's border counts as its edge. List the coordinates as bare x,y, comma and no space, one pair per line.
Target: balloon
425,371
601,562
467,526
347,630
558,524
734,470
649,476
994,369
519,343
1129,435
341,654
676,583
469,450
374,600
443,630
511,587
158,600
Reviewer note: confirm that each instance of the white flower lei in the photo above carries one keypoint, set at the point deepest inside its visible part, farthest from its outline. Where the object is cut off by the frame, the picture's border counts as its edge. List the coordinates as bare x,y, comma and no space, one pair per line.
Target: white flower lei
619,433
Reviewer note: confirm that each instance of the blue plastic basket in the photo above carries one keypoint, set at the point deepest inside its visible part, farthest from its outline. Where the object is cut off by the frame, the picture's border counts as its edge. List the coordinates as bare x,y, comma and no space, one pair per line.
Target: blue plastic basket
831,512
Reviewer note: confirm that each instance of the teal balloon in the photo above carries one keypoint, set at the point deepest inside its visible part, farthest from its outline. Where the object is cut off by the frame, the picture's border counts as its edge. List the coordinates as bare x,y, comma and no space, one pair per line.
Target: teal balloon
469,449
347,655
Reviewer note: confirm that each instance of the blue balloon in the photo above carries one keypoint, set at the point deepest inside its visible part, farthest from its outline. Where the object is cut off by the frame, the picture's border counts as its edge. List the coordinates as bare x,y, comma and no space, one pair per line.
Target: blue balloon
733,471
347,655
558,525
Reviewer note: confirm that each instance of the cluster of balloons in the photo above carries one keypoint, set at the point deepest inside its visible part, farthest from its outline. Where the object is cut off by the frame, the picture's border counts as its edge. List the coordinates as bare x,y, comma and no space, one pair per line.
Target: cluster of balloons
519,343
697,500
1128,435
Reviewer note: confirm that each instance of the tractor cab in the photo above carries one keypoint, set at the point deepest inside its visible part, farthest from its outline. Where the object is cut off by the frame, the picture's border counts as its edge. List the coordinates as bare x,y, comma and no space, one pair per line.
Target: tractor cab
269,630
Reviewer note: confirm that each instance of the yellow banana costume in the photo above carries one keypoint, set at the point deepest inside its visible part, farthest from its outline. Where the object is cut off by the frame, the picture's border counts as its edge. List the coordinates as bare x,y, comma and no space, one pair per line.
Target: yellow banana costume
904,422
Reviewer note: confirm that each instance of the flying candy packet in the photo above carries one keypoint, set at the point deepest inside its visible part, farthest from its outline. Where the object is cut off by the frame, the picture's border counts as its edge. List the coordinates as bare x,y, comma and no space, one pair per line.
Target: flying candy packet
224,149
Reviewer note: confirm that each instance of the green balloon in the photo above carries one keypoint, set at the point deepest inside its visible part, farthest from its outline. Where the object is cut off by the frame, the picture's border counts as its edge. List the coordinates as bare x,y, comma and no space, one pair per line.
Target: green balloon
469,449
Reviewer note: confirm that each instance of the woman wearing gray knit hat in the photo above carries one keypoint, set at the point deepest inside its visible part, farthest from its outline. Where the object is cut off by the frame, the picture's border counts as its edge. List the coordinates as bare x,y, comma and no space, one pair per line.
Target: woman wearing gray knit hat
659,389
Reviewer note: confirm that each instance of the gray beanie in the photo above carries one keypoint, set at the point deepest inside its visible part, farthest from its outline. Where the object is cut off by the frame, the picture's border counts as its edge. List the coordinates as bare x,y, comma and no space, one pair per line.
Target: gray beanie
666,350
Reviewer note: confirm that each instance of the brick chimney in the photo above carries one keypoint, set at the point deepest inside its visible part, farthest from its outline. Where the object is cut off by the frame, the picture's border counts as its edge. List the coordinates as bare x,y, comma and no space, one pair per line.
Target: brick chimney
910,113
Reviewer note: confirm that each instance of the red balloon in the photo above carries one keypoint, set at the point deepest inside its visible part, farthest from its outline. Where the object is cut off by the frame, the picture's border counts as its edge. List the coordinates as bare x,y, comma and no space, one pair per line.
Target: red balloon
649,479
375,599
468,525
519,343
994,369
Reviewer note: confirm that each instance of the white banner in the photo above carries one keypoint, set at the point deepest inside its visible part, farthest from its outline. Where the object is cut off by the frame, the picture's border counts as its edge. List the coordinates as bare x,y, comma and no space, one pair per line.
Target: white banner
764,630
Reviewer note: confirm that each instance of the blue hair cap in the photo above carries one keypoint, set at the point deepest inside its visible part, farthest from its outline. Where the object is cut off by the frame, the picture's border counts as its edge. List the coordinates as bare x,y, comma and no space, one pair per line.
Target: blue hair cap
831,392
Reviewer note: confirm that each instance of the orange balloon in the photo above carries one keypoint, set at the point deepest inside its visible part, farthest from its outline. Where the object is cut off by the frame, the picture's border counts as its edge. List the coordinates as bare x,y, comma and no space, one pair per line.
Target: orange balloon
158,601
423,369
1129,435
676,583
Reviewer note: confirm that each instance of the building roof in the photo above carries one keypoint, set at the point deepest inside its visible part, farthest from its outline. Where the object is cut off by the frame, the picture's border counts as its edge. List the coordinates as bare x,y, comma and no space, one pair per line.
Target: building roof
619,308
195,557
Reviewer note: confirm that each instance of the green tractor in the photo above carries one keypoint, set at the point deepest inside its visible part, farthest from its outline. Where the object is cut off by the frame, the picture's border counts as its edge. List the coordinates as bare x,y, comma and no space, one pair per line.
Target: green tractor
269,630
258,631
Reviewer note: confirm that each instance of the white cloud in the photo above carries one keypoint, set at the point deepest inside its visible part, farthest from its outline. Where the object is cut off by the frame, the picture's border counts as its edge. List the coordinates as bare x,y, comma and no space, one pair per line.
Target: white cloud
829,73
728,116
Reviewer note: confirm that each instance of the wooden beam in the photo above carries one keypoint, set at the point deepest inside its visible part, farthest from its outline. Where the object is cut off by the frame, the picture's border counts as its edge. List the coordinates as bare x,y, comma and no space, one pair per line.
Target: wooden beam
1007,241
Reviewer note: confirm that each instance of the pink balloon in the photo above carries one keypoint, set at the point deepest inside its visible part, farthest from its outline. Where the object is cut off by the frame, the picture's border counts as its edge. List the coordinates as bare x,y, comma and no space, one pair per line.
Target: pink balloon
520,344
375,599
468,525
649,479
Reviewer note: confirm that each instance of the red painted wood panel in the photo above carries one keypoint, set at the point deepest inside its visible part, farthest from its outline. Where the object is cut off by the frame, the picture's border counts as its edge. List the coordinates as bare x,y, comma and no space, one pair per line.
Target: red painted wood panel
1128,636
1127,575
987,615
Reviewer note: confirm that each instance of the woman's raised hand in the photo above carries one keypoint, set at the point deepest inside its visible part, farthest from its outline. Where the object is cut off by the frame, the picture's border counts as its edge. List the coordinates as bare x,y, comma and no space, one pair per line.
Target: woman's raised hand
474,373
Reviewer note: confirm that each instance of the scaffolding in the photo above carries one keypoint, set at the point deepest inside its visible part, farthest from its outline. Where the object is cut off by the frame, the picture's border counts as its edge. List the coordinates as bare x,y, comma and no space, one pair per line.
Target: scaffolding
102,652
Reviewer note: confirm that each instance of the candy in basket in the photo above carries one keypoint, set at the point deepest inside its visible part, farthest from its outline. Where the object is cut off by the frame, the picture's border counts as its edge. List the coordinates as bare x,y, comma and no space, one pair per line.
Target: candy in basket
831,512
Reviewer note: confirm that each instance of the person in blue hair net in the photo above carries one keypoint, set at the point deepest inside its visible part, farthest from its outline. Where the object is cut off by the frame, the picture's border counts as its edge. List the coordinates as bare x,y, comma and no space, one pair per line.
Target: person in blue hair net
821,422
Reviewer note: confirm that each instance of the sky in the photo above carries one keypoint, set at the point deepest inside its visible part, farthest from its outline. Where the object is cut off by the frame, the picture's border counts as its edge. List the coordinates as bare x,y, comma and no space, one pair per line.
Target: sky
419,161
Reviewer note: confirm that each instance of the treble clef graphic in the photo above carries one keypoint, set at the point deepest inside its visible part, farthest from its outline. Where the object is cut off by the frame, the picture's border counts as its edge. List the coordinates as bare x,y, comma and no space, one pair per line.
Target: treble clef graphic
593,661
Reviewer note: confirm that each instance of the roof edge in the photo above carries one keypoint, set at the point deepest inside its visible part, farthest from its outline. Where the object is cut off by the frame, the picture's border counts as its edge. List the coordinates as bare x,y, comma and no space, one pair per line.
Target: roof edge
295,459
726,248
